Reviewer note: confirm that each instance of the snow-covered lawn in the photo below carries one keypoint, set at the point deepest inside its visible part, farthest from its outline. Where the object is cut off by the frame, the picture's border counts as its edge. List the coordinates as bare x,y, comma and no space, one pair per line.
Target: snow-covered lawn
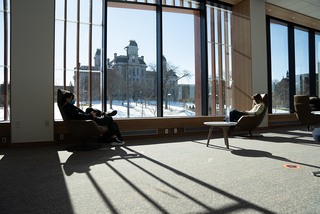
139,110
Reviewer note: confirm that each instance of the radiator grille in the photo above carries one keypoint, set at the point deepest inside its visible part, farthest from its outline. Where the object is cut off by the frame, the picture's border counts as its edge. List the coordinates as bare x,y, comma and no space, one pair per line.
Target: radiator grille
139,132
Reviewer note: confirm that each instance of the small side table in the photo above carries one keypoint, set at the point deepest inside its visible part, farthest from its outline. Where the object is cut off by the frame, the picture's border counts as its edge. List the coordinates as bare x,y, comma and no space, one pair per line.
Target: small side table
221,125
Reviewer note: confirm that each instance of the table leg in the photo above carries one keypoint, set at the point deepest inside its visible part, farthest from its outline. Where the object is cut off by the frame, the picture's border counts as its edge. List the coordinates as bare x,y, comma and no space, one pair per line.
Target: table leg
225,135
209,136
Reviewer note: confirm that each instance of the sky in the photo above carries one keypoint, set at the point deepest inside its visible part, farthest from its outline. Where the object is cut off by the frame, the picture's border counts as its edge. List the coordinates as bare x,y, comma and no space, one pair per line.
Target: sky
140,25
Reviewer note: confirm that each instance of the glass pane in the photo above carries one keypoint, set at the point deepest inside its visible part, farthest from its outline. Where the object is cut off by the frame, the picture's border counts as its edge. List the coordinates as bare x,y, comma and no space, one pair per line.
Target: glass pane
131,62
302,62
178,64
317,43
97,12
71,45
1,38
96,67
1,94
279,68
9,103
58,84
84,45
84,11
59,44
72,6
60,9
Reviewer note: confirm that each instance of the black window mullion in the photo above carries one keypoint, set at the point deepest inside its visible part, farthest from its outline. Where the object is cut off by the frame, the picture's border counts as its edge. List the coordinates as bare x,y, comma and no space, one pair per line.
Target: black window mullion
312,62
204,58
103,81
292,68
159,55
269,64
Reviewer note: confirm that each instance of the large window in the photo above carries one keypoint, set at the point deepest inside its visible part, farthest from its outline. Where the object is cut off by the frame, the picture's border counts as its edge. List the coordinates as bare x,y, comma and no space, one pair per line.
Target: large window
279,67
4,61
126,75
131,61
292,69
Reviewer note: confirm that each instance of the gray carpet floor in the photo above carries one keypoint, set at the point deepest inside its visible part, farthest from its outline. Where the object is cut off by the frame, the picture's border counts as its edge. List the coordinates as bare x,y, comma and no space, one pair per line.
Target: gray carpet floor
271,173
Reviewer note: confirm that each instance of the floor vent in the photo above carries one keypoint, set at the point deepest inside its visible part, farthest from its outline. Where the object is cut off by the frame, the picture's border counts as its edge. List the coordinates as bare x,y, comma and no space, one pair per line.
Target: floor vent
139,132
197,129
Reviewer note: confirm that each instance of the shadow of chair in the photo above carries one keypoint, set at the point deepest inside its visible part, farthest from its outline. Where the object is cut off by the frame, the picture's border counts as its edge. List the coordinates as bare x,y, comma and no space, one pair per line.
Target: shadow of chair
81,129
251,122
303,111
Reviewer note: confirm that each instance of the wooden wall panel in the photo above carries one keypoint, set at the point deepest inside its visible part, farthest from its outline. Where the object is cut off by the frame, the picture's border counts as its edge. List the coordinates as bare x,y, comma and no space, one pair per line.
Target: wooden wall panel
241,52
197,60
292,16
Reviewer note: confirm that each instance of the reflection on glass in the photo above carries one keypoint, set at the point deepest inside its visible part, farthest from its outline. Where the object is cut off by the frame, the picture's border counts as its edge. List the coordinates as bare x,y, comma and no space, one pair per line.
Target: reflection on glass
279,67
302,62
317,43
131,77
178,65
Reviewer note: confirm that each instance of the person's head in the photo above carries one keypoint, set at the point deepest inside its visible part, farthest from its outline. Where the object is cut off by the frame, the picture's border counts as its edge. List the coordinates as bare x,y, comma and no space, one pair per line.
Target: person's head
67,97
257,97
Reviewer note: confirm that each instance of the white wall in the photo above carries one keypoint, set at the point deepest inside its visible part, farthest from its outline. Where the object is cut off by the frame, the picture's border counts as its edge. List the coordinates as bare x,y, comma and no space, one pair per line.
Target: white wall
259,49
32,59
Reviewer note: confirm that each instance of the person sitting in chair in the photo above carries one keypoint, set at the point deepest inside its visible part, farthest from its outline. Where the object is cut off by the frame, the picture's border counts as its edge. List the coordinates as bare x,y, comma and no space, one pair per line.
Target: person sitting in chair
101,118
257,108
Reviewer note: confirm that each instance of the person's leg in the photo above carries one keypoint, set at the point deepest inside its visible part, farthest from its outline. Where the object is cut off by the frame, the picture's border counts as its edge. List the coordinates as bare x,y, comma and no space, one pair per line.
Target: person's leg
117,131
108,121
89,110
234,116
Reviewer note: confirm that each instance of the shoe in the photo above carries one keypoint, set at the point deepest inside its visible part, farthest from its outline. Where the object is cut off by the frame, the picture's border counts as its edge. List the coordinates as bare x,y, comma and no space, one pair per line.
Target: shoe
116,142
111,113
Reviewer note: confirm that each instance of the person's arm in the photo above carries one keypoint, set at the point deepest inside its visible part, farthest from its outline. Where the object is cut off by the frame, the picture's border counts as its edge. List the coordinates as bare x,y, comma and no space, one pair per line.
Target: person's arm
257,109
75,113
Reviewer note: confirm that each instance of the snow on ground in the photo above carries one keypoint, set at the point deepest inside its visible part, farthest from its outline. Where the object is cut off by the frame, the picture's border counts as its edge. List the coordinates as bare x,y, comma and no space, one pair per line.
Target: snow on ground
138,110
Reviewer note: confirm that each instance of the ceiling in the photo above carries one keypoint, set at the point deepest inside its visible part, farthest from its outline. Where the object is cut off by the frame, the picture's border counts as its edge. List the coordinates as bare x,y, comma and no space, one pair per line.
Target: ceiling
307,7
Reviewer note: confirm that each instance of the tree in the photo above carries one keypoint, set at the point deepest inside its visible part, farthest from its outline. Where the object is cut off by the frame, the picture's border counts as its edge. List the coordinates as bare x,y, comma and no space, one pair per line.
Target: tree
114,84
171,76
